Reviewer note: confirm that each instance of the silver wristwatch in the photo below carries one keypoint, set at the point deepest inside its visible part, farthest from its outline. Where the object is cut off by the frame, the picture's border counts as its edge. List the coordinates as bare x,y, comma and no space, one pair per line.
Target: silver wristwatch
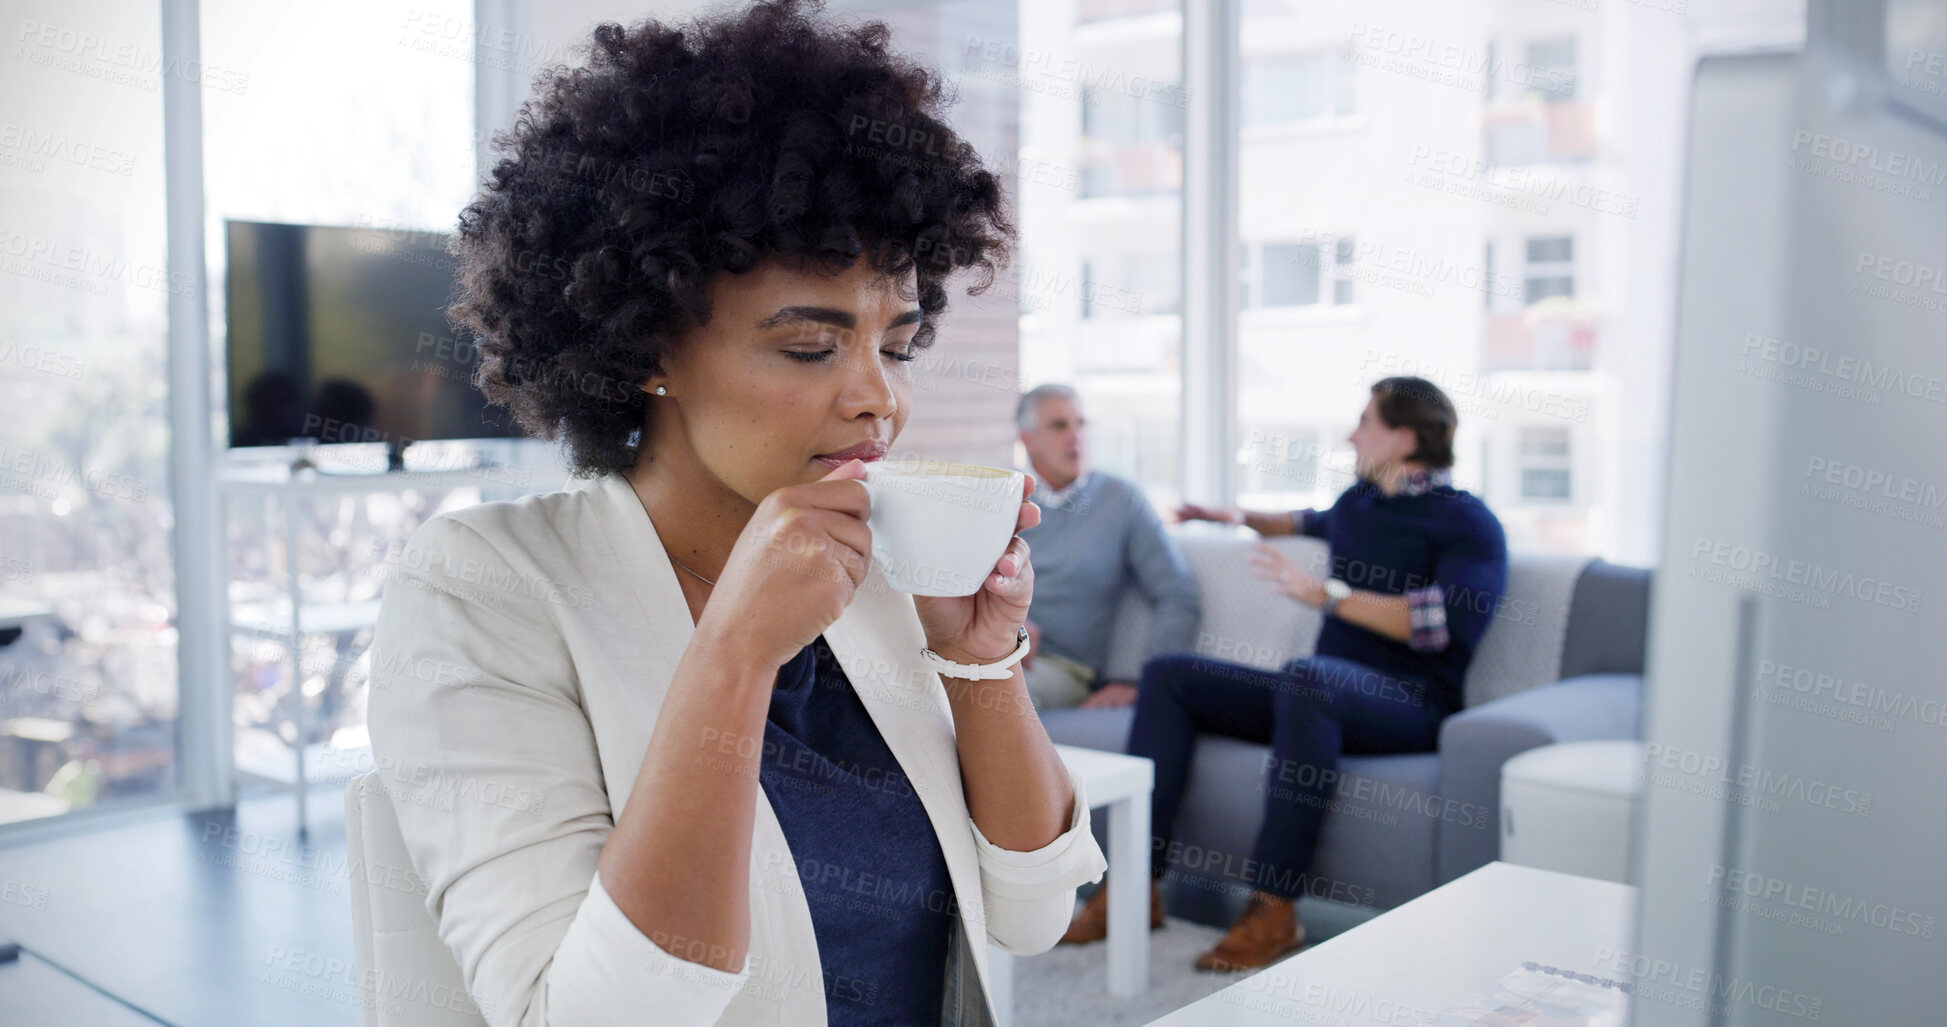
1335,593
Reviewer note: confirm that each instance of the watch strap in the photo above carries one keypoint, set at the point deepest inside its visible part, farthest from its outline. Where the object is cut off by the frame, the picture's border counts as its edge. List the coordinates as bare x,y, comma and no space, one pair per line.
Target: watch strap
996,671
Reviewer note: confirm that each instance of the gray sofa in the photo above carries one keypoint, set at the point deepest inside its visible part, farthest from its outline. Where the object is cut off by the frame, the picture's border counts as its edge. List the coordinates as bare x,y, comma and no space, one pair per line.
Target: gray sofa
1562,661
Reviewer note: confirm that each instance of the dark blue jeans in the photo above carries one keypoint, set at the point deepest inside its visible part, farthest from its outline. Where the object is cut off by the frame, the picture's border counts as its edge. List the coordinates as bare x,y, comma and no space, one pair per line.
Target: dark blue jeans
1310,712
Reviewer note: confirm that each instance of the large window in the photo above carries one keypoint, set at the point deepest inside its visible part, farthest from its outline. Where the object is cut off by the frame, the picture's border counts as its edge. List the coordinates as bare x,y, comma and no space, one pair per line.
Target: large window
1473,185
88,688
391,148
1103,95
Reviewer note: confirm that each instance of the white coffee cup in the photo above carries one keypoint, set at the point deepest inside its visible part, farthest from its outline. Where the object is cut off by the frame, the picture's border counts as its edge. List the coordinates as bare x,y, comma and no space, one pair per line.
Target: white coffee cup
938,528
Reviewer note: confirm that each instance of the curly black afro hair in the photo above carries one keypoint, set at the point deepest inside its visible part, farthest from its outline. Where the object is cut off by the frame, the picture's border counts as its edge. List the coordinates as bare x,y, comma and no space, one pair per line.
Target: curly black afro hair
678,153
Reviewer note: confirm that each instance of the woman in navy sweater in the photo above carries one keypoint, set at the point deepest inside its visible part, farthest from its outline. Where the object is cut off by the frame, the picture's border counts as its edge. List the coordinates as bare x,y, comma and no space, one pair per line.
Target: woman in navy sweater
1417,570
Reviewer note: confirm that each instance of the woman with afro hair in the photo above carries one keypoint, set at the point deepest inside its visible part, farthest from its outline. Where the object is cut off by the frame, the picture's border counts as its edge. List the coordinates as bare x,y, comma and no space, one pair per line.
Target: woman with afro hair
661,745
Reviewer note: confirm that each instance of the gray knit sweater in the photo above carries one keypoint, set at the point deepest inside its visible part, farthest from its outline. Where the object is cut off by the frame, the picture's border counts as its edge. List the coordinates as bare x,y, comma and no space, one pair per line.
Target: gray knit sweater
1095,539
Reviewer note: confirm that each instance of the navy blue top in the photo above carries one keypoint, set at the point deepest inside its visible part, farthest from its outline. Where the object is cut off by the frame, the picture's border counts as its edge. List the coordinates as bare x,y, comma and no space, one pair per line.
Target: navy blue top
882,905
1437,535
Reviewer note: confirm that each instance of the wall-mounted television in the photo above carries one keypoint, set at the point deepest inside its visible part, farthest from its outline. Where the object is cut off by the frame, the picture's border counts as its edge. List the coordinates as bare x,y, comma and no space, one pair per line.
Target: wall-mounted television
338,335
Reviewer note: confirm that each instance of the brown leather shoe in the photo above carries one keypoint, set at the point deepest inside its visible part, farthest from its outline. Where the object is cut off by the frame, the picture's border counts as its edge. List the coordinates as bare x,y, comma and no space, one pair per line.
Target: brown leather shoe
1092,922
1268,929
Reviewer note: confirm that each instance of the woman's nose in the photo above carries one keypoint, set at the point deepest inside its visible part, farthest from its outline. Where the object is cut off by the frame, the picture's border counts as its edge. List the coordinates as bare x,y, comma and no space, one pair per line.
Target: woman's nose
869,389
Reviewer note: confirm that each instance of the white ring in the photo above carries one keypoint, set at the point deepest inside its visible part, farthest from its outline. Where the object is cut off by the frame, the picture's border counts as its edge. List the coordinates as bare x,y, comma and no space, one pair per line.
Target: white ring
1284,575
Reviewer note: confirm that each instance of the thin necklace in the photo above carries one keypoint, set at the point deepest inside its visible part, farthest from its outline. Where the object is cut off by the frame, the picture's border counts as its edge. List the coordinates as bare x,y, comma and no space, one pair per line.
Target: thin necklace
685,566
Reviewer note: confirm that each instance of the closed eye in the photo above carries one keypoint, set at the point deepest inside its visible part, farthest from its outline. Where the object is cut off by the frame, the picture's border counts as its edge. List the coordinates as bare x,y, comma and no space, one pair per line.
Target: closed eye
817,356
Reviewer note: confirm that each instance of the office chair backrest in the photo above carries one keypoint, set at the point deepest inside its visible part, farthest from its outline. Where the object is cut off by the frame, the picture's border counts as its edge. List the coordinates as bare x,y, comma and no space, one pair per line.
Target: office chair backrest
406,974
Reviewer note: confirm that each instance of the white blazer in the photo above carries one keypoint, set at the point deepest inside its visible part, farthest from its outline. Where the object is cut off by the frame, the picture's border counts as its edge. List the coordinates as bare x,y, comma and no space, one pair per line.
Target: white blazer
522,654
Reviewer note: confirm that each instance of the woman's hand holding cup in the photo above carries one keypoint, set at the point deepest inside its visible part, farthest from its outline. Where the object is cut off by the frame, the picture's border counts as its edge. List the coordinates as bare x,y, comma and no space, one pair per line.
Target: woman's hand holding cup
800,560
985,626
794,568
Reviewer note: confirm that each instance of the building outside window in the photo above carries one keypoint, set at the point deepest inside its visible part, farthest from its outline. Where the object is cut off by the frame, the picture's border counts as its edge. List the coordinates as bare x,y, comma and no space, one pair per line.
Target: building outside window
1283,459
1298,88
1299,274
1543,455
1132,142
1130,284
1551,268
1551,69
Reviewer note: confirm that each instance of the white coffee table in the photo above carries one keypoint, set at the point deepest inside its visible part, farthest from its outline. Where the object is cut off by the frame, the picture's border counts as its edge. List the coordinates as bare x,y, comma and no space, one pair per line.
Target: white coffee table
1439,950
1122,783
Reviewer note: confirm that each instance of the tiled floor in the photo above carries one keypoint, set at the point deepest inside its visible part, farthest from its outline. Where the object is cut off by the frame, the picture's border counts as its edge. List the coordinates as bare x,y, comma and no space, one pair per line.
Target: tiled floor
217,920
34,992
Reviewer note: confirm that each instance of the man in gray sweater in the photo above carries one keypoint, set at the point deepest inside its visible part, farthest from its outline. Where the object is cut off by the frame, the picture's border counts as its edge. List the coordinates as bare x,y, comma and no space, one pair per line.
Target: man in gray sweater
1098,535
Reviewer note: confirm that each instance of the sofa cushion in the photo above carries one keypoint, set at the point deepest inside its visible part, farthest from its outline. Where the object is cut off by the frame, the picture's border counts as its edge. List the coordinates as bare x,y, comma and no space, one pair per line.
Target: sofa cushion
1523,644
1244,620
1608,622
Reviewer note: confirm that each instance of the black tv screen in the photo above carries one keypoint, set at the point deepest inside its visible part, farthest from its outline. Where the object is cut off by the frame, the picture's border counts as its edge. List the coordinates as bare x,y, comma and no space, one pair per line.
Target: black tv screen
339,335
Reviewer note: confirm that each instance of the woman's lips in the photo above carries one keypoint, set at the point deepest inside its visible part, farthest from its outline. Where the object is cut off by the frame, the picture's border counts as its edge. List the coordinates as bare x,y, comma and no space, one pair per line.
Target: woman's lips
866,451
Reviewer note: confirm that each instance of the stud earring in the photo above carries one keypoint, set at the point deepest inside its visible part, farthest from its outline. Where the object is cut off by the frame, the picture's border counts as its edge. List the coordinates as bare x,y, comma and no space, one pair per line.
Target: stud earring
662,390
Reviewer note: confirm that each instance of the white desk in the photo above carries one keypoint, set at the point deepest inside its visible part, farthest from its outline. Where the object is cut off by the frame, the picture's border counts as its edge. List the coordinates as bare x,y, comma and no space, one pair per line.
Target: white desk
16,612
14,615
1436,951
1122,783
17,806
